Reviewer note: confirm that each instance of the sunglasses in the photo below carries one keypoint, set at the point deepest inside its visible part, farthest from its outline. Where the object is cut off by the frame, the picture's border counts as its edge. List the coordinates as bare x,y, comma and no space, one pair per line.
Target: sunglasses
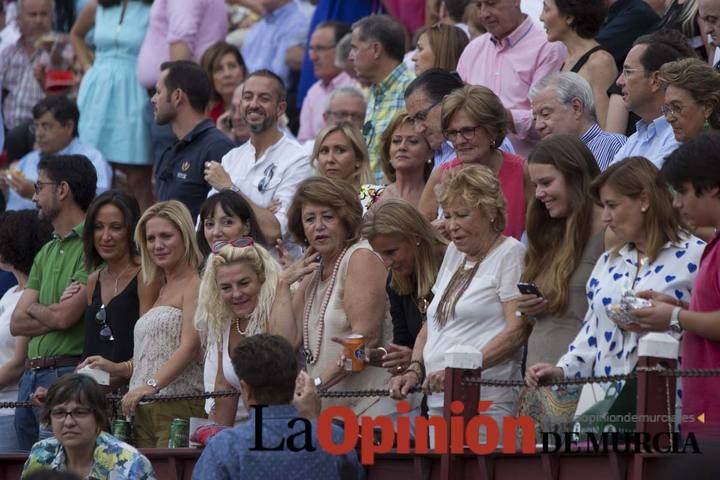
241,242
105,330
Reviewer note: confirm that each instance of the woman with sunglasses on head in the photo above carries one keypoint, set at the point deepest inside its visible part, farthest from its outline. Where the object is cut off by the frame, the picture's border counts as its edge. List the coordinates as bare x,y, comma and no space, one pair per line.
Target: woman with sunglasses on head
116,295
473,119
240,296
226,216
78,412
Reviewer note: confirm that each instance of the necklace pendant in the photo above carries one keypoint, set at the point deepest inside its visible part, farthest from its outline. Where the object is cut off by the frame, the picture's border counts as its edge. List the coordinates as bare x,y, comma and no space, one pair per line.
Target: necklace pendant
308,356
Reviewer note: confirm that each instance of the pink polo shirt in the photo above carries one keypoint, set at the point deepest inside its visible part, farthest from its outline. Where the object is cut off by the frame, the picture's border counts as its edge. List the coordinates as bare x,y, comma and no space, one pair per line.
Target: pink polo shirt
509,67
512,183
702,394
198,23
313,107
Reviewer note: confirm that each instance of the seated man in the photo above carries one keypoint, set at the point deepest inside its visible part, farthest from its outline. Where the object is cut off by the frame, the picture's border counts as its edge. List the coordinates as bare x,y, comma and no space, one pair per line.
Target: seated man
55,127
267,368
345,104
562,103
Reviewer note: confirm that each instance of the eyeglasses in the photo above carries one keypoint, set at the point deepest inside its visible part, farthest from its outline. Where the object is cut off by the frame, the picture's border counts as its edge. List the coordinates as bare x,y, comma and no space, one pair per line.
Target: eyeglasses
626,71
674,110
60,414
105,330
40,127
39,185
467,133
422,114
241,242
268,175
320,48
343,116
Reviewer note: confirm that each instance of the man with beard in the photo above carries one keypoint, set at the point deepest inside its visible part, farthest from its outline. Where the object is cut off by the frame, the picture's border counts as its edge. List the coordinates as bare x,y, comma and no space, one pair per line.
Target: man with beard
63,192
181,97
266,170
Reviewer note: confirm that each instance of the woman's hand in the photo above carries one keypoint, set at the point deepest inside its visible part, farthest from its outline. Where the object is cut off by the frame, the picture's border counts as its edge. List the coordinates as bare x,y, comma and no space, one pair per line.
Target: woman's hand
70,290
133,397
295,271
397,359
434,383
114,369
439,224
655,318
541,373
400,385
38,397
531,305
661,297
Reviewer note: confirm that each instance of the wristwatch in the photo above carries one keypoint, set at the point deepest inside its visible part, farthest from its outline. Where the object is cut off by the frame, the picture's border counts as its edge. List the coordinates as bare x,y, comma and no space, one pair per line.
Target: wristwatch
318,382
675,320
152,383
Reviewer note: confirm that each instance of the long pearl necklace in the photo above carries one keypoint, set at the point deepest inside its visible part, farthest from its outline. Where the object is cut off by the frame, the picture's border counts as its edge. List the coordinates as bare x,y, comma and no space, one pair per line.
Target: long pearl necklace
311,357
237,327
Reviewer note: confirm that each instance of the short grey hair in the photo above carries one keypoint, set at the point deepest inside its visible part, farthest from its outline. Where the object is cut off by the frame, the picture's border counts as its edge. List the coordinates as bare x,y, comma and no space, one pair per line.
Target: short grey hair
345,91
567,86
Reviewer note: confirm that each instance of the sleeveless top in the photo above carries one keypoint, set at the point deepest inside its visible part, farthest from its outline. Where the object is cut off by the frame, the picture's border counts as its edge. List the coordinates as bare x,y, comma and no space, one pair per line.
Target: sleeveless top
157,336
512,184
553,333
121,314
211,368
338,325
585,57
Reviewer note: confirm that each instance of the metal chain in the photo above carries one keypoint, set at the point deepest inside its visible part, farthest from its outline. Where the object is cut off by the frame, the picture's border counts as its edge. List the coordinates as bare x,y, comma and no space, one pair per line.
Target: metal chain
470,380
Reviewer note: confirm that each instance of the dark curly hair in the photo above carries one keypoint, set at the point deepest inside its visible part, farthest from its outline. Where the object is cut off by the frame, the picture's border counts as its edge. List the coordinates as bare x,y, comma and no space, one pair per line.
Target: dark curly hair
22,235
588,15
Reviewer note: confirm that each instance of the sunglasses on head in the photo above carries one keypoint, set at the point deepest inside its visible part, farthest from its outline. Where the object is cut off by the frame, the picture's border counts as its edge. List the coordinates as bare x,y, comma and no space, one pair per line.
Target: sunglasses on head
241,242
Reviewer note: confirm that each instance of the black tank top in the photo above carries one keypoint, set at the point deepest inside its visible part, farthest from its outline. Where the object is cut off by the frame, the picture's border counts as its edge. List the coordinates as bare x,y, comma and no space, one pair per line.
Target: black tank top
583,60
121,314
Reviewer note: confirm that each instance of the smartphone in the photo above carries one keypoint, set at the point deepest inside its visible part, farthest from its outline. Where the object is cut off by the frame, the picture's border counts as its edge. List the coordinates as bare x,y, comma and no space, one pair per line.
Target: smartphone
529,288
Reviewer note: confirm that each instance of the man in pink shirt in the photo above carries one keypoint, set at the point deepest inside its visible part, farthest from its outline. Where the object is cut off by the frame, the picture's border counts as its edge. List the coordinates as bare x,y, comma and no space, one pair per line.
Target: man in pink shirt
322,54
508,59
179,31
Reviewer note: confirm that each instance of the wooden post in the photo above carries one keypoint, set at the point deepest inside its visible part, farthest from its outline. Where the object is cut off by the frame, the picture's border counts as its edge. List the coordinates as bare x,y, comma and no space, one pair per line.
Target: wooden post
460,362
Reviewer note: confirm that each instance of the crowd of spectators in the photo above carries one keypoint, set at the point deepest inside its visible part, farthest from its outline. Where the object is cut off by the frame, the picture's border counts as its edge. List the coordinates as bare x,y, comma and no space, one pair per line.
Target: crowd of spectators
214,194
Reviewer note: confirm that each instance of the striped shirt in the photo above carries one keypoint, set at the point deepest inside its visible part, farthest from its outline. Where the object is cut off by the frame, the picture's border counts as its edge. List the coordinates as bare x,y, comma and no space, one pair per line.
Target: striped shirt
386,99
602,144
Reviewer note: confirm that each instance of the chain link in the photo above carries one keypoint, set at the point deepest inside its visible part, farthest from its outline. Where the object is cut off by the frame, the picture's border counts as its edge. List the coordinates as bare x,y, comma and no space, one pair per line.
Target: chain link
470,380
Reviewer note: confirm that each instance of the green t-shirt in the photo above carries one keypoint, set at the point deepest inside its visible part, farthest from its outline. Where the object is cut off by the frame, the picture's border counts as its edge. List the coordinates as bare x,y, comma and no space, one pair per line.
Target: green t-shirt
59,263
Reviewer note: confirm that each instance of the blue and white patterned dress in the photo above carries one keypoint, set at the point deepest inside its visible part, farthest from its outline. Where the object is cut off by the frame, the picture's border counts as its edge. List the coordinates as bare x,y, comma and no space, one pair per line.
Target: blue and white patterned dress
601,347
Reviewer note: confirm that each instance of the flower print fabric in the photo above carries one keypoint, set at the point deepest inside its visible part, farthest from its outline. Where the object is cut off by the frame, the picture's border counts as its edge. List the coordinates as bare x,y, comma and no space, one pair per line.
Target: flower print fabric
112,459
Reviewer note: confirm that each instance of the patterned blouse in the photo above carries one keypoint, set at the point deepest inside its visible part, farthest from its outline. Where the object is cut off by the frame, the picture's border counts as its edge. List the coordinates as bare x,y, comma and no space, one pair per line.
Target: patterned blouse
112,460
601,347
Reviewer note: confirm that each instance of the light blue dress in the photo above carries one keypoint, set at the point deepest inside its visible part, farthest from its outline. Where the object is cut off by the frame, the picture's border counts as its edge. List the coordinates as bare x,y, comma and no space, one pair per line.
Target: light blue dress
111,100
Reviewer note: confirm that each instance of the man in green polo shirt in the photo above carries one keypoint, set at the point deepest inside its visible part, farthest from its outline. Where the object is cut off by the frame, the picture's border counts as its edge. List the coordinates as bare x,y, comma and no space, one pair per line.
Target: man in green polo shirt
63,192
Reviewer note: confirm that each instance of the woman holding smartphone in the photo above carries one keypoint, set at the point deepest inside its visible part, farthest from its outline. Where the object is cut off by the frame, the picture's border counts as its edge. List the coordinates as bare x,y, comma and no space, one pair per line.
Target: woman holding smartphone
561,169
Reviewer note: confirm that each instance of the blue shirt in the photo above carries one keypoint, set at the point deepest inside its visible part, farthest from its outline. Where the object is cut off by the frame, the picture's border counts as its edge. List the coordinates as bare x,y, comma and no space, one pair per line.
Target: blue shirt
602,144
268,40
29,163
228,455
654,141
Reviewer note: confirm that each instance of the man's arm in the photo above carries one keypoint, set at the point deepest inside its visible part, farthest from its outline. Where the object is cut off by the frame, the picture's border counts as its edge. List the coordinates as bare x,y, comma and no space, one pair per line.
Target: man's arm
30,318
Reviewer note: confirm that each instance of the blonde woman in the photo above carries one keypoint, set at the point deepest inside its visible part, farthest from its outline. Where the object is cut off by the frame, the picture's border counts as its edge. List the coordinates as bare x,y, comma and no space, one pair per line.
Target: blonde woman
406,159
239,297
481,267
167,352
340,152
412,250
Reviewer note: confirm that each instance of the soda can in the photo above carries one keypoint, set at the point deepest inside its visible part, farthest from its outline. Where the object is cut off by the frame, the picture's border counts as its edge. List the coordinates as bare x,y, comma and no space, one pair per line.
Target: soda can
179,433
354,351
122,430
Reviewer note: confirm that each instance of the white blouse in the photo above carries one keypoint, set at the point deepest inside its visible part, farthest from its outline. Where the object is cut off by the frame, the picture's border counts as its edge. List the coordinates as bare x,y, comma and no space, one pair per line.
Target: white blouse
601,347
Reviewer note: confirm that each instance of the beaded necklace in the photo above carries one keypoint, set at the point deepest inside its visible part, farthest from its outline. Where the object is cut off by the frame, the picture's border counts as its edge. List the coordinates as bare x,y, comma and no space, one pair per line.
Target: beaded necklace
311,357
